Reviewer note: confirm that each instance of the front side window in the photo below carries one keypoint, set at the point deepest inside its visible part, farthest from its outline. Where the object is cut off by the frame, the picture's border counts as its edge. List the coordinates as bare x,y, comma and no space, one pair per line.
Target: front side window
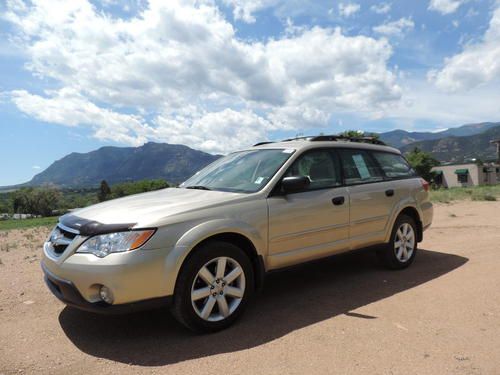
321,166
393,165
462,178
244,171
359,167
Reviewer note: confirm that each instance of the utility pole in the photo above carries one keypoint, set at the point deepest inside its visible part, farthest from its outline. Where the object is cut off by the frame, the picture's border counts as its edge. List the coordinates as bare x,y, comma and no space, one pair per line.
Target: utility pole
497,142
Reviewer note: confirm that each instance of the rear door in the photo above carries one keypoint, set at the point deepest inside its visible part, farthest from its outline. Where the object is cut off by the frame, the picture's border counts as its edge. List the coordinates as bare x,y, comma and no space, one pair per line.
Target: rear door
399,175
371,197
312,223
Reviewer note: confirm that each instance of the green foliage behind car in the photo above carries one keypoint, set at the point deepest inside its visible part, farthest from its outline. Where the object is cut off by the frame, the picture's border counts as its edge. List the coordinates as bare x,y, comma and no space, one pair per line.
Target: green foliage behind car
422,162
129,188
47,201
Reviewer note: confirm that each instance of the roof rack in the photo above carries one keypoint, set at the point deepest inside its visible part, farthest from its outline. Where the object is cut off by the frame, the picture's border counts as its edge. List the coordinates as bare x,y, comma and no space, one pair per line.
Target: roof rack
262,143
305,138
323,138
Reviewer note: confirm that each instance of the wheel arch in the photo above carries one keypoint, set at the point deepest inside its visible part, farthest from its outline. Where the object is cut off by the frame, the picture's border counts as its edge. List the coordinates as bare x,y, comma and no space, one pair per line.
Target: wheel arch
414,214
238,239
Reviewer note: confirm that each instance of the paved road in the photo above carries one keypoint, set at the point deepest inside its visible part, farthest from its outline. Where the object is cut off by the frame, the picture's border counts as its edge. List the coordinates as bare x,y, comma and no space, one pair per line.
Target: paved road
345,315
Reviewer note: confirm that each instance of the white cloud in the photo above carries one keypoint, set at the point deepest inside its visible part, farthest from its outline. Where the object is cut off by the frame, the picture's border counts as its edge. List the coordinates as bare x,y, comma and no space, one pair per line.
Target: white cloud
177,72
68,108
297,117
395,28
477,64
424,103
36,167
244,9
445,6
381,8
348,9
216,132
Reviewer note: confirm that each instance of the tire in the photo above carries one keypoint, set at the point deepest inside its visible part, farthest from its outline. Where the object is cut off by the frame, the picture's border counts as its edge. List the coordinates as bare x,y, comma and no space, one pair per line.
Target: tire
199,296
401,250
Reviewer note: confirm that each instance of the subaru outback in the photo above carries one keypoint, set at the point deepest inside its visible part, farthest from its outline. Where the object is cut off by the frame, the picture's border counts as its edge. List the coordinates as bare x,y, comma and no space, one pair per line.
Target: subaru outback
204,247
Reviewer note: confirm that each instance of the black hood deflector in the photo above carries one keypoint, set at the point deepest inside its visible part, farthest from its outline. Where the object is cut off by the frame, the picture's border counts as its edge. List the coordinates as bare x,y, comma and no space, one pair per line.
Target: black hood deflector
88,227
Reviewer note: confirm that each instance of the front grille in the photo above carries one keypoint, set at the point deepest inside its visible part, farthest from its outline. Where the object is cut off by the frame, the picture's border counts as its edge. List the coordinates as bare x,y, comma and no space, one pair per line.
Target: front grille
59,249
60,239
67,234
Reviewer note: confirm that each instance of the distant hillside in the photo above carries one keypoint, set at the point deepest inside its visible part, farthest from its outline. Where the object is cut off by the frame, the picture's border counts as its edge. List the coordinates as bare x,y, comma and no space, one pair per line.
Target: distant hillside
174,163
459,149
399,138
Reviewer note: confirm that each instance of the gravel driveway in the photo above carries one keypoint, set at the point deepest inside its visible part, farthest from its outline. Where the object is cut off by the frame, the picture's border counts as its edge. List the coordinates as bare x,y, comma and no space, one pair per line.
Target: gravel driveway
344,315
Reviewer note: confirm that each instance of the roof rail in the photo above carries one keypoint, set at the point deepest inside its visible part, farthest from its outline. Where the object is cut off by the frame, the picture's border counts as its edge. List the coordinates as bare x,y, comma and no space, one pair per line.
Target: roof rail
323,138
305,138
371,140
262,143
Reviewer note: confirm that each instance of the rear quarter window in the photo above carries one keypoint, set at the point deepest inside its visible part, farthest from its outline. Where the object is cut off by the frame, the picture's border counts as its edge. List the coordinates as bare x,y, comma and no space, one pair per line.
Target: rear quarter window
393,165
359,167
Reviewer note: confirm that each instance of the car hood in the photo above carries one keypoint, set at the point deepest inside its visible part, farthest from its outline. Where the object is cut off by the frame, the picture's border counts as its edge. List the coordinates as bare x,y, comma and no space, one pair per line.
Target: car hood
147,208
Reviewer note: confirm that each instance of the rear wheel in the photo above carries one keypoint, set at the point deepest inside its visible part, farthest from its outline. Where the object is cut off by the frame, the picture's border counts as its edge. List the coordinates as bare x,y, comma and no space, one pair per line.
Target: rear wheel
213,287
401,250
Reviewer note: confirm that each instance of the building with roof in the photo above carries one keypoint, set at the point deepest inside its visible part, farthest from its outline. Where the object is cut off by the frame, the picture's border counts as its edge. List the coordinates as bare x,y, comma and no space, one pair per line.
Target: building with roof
468,174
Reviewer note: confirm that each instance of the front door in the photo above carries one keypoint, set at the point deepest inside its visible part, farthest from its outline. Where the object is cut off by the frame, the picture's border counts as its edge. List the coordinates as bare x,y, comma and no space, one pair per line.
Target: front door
313,223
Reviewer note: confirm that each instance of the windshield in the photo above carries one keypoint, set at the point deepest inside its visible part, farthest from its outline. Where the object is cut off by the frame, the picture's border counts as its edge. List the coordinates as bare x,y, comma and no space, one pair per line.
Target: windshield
244,171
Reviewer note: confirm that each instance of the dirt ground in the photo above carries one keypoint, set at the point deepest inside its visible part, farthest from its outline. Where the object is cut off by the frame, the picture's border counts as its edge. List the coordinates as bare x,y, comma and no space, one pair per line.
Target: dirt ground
345,315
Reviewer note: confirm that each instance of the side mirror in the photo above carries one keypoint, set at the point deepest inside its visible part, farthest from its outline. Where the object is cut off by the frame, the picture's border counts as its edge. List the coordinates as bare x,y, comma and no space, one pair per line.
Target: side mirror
295,184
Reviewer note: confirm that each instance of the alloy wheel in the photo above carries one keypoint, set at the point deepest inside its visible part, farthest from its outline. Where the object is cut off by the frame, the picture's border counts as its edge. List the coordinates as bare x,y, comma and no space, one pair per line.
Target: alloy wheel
218,289
404,242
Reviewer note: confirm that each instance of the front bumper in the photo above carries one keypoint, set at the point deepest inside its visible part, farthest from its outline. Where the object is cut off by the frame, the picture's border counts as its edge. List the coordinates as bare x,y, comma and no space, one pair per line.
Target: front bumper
66,292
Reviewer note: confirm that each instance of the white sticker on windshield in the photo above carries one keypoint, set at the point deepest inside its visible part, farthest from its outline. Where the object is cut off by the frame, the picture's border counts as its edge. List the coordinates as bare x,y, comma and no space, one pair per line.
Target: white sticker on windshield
288,151
259,180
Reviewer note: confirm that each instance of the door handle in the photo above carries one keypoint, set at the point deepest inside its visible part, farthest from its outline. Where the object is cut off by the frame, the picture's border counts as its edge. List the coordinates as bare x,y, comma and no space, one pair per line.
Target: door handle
389,192
337,201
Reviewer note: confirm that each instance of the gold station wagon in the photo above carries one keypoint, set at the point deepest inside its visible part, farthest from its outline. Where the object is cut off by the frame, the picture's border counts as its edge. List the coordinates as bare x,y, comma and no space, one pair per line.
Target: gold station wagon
204,248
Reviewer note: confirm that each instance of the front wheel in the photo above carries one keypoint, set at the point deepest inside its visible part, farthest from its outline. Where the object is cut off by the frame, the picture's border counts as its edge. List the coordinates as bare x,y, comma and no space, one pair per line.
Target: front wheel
401,250
213,287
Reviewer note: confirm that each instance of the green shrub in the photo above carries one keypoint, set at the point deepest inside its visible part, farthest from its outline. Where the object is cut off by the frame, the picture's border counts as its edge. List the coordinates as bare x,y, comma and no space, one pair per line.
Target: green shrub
489,197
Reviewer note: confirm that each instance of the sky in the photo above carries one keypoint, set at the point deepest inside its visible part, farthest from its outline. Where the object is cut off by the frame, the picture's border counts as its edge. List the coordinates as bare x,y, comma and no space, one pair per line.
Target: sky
221,75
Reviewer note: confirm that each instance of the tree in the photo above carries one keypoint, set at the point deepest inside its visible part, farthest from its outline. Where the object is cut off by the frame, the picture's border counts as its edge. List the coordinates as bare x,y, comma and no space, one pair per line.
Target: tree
5,206
422,162
46,200
358,134
128,188
104,191
36,201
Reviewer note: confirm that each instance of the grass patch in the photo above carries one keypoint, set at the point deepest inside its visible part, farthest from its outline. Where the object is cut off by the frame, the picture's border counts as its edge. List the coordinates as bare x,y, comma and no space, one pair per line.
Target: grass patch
475,193
28,223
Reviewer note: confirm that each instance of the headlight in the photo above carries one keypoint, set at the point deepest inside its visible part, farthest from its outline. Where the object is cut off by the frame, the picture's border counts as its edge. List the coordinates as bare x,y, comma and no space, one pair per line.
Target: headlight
118,242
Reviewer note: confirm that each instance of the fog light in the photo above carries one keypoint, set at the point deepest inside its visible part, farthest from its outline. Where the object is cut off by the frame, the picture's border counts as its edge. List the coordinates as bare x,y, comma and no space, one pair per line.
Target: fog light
106,294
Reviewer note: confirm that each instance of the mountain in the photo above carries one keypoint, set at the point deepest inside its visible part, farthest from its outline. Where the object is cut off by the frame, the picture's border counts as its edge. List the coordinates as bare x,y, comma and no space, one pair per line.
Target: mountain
399,138
174,163
459,149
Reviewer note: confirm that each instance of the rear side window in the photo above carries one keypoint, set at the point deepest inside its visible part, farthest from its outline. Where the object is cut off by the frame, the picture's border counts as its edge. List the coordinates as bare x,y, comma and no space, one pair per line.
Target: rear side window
359,167
393,165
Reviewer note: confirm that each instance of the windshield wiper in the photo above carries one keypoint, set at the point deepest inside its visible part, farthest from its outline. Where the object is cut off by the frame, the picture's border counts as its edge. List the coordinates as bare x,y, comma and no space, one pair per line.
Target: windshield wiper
198,187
